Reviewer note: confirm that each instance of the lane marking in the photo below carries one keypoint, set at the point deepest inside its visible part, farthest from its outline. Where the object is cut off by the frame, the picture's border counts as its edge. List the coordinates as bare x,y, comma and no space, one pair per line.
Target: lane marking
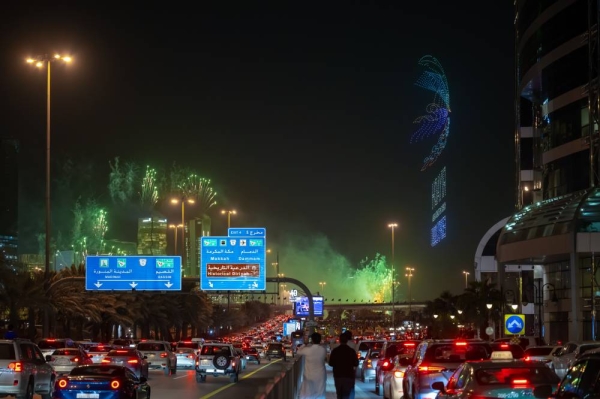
213,393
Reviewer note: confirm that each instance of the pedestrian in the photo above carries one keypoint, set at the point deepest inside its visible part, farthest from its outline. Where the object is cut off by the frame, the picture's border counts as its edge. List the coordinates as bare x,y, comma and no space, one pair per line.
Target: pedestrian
344,361
314,377
10,334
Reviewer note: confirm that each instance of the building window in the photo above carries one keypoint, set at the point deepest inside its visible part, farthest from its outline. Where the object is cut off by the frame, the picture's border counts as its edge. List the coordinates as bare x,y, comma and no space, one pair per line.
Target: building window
559,275
530,11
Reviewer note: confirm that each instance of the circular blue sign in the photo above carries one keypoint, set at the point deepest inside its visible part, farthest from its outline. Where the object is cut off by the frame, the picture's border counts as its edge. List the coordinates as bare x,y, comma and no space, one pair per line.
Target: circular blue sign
515,324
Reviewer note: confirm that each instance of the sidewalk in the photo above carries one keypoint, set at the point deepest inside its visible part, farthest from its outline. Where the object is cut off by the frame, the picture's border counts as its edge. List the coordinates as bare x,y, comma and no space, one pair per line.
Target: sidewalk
362,390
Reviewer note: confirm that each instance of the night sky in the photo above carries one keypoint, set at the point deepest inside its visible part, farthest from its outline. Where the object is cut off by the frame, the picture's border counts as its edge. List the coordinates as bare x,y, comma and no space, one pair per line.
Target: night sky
300,112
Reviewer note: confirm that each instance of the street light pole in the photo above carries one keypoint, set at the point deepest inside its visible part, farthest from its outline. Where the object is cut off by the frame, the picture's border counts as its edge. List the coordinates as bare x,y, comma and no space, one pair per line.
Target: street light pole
466,273
410,271
228,213
183,200
40,62
393,226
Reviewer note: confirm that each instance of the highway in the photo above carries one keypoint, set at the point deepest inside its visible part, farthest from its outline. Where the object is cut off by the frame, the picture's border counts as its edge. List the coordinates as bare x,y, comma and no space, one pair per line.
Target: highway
253,379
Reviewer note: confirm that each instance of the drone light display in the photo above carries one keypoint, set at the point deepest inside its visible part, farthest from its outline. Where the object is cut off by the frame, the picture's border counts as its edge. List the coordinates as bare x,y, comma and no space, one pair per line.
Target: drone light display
436,122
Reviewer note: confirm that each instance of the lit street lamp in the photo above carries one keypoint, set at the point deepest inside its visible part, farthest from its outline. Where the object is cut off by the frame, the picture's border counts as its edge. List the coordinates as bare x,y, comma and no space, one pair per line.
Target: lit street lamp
322,284
176,227
393,227
228,213
466,273
40,62
183,200
409,274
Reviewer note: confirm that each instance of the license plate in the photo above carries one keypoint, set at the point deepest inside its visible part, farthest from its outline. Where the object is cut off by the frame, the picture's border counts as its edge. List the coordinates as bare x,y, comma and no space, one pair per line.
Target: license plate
89,395
206,362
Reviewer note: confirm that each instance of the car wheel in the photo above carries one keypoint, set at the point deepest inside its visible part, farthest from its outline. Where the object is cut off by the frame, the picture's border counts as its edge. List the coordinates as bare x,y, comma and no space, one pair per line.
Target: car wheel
28,392
50,390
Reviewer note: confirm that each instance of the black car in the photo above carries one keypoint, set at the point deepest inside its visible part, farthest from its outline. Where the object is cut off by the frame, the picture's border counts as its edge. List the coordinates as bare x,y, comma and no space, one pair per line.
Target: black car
94,381
252,355
275,350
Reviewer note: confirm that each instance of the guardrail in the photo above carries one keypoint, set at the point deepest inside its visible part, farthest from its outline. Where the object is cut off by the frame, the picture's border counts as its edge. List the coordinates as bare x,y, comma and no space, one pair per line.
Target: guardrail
286,384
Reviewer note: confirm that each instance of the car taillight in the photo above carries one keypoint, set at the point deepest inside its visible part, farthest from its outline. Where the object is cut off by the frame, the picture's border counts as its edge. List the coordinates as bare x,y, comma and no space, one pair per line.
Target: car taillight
410,344
163,355
398,374
460,343
62,383
520,381
114,384
190,356
527,358
132,361
75,359
430,369
16,366
106,360
504,346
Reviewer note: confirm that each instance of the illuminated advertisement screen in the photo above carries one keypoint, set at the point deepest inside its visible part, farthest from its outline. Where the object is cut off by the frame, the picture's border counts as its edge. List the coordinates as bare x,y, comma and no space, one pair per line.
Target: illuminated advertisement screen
301,306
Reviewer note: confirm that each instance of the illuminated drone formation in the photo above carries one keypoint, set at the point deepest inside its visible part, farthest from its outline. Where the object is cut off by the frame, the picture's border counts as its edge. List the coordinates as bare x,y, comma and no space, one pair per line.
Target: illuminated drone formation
437,119
435,122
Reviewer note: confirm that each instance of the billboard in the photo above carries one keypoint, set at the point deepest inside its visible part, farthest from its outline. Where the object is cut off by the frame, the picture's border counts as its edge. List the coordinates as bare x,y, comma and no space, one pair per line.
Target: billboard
301,306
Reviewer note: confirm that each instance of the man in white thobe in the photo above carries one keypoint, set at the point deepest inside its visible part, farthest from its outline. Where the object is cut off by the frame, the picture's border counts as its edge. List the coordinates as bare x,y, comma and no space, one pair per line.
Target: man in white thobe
314,377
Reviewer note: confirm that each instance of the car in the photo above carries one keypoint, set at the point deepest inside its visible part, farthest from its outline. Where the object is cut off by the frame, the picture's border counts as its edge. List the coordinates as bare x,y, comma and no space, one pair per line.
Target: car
101,381
129,357
185,357
252,355
362,349
195,344
516,350
275,350
367,368
98,352
386,363
49,345
392,378
580,381
524,341
499,377
25,371
159,355
217,360
570,351
435,361
65,359
541,353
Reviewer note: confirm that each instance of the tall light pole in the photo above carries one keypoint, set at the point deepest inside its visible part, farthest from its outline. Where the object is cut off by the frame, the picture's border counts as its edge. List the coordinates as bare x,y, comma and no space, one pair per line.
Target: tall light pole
409,274
466,273
228,213
40,62
393,227
322,284
183,200
176,227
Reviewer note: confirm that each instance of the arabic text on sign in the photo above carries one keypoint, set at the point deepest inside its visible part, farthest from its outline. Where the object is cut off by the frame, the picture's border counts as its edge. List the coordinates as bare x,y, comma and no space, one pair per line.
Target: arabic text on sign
232,270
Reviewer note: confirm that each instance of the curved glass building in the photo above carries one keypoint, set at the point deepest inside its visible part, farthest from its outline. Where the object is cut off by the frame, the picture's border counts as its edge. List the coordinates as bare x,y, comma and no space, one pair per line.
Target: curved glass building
549,250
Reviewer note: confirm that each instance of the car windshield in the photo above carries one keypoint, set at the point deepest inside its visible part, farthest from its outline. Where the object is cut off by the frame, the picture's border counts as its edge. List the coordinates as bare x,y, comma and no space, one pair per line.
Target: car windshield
516,376
213,350
538,351
456,353
187,344
365,346
99,349
585,348
147,346
96,370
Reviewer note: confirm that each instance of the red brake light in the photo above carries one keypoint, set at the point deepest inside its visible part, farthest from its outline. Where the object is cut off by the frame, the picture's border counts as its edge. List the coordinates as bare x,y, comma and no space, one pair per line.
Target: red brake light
106,360
163,355
115,384
520,381
75,359
460,343
16,366
409,344
187,342
122,351
190,356
504,346
62,383
132,361
430,369
385,364
527,358
51,340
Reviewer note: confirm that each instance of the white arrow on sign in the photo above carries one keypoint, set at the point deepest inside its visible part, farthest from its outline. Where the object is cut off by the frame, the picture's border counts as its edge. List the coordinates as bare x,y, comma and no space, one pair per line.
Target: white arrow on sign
169,285
98,284
133,284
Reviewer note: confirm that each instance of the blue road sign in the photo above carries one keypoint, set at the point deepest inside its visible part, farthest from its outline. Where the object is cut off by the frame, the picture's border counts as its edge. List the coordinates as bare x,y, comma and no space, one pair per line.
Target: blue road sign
514,324
233,263
247,232
142,273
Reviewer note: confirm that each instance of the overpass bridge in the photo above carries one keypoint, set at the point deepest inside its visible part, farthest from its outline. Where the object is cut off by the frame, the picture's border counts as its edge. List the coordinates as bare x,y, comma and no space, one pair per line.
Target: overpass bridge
385,306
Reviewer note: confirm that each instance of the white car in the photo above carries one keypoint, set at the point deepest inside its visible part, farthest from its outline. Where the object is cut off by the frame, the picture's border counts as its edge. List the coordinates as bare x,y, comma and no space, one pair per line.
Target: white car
569,352
185,357
541,354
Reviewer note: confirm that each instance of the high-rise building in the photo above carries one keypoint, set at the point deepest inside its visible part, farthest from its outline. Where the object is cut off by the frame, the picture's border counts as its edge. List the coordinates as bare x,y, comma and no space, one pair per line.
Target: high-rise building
198,227
546,253
9,200
152,236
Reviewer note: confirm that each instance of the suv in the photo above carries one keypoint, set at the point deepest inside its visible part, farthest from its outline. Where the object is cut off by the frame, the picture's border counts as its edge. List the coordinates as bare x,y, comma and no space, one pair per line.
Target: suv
24,370
216,360
436,360
159,355
275,349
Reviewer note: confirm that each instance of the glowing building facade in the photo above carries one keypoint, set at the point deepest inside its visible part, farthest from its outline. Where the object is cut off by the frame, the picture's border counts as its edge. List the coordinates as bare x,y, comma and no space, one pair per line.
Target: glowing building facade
9,200
152,236
547,252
